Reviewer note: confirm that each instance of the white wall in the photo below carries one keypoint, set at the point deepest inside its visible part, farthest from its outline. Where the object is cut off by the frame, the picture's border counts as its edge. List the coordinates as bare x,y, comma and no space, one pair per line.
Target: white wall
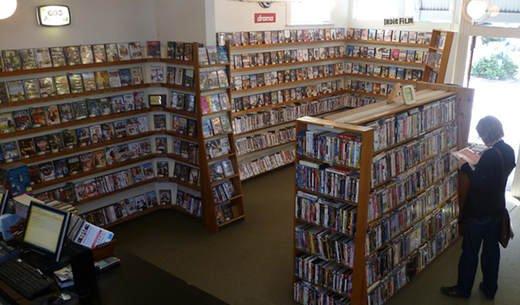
233,16
93,21
180,20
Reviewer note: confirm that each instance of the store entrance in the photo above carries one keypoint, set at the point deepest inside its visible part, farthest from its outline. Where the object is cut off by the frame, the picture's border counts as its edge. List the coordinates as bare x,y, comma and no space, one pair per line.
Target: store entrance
495,74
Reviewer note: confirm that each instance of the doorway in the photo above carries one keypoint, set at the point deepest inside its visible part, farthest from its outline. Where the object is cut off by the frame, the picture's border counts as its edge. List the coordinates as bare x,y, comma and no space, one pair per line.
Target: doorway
495,76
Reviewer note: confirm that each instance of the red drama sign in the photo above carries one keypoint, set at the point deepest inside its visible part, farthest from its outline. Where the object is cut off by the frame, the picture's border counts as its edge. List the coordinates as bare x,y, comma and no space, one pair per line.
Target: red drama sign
265,17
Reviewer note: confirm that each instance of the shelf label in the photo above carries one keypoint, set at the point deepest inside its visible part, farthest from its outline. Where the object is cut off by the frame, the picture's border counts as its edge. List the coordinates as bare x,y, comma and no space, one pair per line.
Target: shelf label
398,21
265,17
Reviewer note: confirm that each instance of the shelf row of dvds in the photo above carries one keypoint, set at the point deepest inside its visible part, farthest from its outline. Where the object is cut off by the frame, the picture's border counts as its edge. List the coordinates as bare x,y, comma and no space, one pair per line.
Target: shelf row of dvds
287,114
44,119
272,59
328,180
49,59
320,272
15,91
390,35
328,146
253,38
335,216
244,82
267,39
266,163
383,72
397,56
281,97
264,140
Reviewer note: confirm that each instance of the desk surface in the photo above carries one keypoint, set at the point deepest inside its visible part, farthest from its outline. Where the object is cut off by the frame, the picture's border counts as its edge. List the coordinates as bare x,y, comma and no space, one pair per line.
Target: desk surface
137,282
134,282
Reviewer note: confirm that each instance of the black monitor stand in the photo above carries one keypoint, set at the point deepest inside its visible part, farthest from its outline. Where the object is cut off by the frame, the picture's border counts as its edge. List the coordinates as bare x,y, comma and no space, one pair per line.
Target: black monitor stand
44,262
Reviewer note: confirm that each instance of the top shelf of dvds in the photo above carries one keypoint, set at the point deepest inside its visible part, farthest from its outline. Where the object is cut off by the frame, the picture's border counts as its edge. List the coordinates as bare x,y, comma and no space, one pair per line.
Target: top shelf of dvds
269,39
54,59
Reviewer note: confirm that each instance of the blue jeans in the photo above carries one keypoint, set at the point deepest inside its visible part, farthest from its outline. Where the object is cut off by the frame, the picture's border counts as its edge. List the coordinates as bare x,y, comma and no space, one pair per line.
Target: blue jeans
477,233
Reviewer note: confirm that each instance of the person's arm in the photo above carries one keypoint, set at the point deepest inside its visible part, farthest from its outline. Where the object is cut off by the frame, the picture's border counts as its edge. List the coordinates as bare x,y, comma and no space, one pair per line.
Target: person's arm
485,175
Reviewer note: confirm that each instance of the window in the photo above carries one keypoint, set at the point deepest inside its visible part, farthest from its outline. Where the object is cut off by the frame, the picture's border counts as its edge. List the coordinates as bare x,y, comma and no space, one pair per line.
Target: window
310,12
437,11
502,13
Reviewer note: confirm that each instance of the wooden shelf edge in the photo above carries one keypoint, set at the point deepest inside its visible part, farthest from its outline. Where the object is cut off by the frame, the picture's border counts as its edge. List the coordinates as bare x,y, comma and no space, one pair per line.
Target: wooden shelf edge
243,155
73,123
93,172
287,84
283,65
67,152
283,44
227,223
388,43
290,102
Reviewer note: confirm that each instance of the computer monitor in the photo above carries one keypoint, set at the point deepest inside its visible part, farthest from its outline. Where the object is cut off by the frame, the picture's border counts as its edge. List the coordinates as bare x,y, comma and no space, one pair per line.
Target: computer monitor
4,200
46,229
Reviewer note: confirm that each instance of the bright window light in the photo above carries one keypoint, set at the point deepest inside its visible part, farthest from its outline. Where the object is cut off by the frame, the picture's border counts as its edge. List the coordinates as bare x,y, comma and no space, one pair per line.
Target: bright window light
436,11
310,12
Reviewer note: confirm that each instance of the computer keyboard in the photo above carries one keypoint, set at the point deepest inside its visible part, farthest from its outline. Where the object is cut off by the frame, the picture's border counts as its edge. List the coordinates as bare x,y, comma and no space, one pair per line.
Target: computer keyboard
25,279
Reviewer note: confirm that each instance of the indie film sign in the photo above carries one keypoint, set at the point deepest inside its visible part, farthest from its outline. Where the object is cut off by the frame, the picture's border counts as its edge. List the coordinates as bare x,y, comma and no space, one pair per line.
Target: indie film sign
265,17
53,15
398,21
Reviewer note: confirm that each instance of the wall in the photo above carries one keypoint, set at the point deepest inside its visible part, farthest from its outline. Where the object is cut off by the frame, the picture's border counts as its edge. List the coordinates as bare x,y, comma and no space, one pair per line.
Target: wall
93,21
180,20
232,15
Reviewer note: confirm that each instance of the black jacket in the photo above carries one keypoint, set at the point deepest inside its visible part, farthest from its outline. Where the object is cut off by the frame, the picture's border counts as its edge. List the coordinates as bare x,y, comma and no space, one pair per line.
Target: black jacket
486,196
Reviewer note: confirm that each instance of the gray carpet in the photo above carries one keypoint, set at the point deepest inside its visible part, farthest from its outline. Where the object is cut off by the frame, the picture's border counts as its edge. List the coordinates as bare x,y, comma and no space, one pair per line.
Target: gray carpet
249,263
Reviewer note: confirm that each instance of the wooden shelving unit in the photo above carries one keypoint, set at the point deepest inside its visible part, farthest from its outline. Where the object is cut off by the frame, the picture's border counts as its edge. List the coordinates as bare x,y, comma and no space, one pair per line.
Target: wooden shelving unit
440,45
236,201
202,190
357,269
435,199
343,58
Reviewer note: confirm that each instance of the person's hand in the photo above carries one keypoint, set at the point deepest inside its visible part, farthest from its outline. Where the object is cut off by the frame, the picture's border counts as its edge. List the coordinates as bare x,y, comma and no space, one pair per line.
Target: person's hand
461,163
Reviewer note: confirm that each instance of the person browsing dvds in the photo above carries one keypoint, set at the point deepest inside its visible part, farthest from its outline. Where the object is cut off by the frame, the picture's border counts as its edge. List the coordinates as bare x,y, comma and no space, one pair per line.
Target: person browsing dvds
483,210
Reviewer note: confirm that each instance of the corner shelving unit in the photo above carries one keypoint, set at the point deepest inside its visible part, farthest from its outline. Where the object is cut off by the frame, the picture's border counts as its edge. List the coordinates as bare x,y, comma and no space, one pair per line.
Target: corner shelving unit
96,206
356,80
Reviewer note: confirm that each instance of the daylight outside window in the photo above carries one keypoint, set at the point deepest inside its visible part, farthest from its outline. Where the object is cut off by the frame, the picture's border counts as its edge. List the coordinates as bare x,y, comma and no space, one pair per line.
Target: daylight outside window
434,11
502,13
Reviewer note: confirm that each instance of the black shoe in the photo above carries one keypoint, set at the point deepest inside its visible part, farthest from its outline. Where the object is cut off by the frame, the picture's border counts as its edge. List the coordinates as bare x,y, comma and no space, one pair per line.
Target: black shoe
453,292
485,292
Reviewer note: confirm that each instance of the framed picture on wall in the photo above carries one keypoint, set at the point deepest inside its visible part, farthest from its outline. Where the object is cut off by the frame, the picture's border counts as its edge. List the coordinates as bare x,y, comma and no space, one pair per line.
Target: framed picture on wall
408,93
157,100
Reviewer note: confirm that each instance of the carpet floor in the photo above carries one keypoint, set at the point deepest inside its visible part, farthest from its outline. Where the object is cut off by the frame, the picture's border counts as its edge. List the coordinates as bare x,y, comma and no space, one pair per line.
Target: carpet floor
249,263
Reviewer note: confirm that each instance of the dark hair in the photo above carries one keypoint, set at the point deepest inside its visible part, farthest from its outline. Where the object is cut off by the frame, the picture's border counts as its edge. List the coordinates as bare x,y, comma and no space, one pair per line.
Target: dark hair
490,129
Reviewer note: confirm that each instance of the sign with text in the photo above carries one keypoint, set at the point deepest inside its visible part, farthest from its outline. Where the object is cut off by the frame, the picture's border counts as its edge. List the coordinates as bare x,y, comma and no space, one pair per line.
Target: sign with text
53,15
398,21
265,17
